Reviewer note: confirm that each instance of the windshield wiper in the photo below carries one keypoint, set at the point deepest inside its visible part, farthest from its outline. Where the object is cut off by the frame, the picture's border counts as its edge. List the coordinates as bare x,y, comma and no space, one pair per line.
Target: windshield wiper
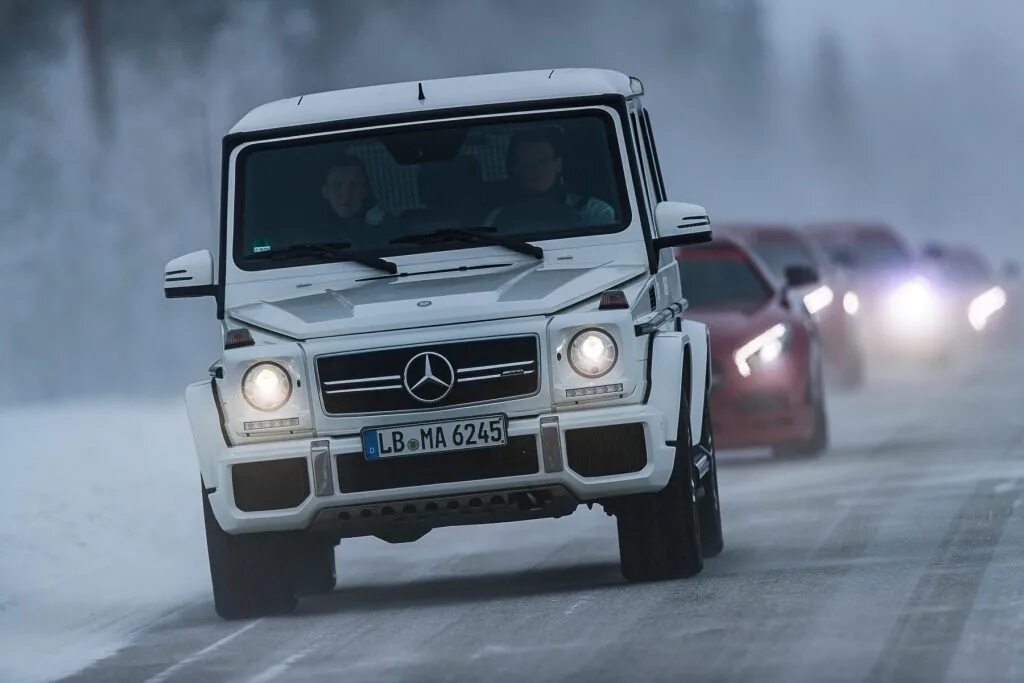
481,235
334,250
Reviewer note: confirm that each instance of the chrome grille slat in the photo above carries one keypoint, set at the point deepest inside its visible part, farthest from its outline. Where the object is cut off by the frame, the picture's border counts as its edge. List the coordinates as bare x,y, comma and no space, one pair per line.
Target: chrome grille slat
481,371
481,368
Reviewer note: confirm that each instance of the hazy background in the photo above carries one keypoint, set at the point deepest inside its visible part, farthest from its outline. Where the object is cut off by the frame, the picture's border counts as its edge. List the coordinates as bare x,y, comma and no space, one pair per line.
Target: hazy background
111,114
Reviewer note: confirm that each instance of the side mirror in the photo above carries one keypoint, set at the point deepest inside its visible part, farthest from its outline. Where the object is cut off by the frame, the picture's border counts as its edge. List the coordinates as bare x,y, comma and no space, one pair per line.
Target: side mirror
680,224
801,276
190,275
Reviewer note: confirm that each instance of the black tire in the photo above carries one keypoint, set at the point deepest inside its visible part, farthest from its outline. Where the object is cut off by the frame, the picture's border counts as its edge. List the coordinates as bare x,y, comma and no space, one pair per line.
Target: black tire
815,444
251,573
852,372
315,569
659,533
709,512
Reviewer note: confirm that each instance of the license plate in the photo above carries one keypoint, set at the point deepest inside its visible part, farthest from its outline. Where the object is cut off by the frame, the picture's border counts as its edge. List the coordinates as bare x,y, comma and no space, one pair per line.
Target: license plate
434,437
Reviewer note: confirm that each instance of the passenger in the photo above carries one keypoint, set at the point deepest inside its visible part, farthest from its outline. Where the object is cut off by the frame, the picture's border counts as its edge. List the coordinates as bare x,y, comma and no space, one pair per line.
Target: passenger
347,189
535,165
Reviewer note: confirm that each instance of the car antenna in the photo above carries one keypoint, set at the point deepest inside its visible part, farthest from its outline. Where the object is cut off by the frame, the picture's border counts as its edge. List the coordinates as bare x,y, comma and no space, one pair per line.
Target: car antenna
421,96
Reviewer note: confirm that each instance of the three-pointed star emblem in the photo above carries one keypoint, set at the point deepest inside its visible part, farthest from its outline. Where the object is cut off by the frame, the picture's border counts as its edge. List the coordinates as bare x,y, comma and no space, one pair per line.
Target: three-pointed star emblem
428,377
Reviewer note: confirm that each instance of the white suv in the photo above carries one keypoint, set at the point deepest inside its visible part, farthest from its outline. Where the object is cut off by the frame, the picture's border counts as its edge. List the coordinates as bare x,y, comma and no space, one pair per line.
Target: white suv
447,302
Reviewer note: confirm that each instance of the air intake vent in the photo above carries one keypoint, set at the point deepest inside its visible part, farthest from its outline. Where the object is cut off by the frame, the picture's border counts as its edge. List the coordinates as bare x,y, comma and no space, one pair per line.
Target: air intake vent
652,294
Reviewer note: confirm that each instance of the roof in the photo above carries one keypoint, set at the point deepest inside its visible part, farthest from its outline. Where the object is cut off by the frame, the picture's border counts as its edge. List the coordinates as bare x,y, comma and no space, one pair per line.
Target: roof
444,93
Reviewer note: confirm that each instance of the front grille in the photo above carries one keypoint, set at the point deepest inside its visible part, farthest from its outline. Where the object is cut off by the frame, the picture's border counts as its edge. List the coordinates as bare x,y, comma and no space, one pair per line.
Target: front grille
270,485
356,473
458,373
601,451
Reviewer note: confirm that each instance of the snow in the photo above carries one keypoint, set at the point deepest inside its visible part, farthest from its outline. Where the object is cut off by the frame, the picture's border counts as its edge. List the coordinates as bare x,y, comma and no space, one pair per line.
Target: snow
102,530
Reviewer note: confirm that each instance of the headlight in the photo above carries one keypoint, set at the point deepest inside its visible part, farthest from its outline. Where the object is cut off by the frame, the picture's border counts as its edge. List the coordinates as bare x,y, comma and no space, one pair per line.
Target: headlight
818,298
592,353
984,306
764,348
266,386
915,304
851,303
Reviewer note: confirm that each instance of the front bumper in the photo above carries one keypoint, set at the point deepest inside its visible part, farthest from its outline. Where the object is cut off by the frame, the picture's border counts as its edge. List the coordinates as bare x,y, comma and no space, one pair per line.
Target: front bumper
553,468
770,407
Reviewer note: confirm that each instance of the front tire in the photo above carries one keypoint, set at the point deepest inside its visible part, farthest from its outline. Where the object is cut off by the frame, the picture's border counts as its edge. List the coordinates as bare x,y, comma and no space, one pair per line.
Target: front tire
709,512
815,444
659,533
251,573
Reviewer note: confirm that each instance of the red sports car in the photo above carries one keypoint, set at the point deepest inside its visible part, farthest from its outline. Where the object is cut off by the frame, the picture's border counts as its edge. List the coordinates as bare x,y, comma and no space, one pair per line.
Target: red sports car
832,302
766,364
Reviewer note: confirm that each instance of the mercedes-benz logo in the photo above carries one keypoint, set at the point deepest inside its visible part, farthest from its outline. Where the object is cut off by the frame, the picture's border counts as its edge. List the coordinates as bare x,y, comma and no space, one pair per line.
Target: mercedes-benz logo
428,377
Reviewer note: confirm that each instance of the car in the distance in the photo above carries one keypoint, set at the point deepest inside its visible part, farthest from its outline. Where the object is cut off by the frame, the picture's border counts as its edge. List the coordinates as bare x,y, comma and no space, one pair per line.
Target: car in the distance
901,308
832,301
969,282
767,388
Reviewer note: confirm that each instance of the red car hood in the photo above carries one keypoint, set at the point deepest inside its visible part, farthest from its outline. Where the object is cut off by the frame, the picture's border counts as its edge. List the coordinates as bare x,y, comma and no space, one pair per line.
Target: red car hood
734,326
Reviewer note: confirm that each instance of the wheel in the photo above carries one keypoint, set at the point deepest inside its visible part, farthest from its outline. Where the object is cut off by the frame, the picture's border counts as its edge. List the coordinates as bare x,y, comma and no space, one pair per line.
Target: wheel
659,534
852,372
709,513
251,573
813,445
315,569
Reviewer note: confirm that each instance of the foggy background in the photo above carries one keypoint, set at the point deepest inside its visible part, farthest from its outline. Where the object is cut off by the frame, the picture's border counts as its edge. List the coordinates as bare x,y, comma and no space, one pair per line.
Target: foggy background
111,115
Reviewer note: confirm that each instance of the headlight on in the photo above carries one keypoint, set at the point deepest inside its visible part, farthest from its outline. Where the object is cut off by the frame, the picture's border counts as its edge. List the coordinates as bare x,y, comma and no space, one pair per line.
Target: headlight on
984,306
764,348
914,301
851,303
817,299
266,386
592,353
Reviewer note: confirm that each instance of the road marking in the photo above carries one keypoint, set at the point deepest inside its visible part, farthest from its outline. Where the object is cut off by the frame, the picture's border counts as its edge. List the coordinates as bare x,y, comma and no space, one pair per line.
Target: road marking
1005,486
282,666
196,656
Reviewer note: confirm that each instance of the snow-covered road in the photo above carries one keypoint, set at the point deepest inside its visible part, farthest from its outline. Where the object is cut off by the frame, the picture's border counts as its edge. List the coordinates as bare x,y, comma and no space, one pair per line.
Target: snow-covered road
896,556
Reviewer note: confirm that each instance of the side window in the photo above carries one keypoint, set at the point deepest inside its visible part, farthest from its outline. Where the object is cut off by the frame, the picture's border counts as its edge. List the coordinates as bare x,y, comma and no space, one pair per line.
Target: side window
652,156
645,169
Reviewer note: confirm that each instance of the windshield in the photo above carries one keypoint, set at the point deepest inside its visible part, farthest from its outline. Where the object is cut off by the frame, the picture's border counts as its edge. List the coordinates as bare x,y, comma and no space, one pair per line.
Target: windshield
879,252
721,278
390,192
780,253
966,269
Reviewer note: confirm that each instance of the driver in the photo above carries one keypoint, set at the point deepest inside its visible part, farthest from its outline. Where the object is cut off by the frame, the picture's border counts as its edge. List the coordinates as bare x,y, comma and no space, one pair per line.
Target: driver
347,190
534,163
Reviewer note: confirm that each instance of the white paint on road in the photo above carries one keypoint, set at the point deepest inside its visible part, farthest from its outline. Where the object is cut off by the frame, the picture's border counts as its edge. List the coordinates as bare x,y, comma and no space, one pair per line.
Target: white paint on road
198,655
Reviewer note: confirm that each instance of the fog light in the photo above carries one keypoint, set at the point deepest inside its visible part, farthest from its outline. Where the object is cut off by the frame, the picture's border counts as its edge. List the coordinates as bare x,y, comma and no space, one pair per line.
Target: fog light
271,424
594,391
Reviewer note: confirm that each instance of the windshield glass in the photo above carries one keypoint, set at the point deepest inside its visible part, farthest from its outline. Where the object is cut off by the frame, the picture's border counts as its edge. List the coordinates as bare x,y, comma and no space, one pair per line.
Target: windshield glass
879,252
381,192
780,253
721,278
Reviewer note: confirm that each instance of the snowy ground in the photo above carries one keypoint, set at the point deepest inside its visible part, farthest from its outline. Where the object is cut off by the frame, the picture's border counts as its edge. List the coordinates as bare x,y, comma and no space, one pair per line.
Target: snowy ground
832,566
101,532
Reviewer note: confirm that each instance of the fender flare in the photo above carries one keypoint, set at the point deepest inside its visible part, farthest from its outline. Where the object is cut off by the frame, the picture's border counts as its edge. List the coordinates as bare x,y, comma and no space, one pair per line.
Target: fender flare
676,355
207,428
700,352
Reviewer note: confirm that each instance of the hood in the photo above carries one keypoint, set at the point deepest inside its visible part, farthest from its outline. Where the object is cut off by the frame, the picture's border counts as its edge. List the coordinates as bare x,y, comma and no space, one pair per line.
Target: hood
731,327
389,303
